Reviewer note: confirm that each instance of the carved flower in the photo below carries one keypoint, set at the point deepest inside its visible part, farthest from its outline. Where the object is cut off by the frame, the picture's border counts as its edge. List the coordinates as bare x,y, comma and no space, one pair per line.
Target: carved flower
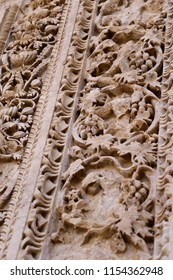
26,39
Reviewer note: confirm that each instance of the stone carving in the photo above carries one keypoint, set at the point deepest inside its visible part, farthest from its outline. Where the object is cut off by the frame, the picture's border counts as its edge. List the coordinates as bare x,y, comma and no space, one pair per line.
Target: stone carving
163,218
108,191
102,186
23,65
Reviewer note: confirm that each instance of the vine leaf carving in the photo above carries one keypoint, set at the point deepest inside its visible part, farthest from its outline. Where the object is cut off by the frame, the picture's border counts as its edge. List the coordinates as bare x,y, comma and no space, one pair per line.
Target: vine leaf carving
101,142
142,153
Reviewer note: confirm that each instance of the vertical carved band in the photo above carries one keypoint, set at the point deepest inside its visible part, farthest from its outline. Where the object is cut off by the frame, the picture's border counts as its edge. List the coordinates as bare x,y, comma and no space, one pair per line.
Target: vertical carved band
23,98
164,194
106,205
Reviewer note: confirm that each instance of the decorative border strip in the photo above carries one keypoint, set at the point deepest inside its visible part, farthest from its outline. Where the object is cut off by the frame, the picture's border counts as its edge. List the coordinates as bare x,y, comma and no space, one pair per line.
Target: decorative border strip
55,151
164,194
14,206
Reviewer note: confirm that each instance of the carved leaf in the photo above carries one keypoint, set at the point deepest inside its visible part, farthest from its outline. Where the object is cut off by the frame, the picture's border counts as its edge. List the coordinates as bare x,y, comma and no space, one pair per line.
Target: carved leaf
127,219
141,152
141,227
101,142
90,98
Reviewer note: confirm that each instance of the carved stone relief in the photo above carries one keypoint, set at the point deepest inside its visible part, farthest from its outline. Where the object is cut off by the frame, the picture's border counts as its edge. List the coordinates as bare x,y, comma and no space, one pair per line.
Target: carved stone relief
163,217
86,129
23,67
106,205
23,63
